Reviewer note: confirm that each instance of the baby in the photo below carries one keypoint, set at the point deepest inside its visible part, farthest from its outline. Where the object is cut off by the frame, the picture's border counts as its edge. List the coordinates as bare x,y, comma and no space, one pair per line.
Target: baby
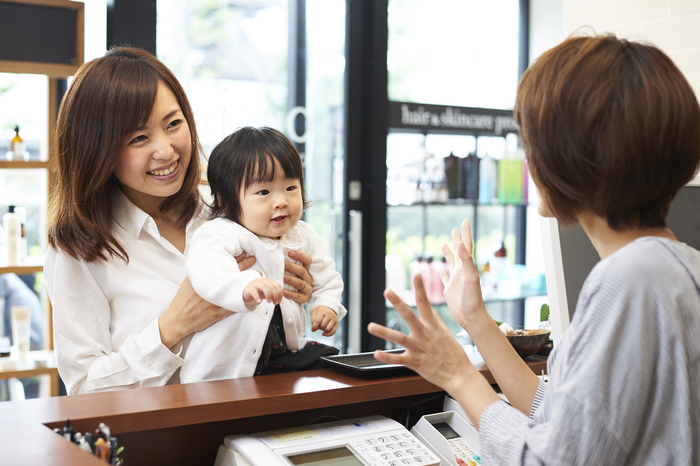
257,184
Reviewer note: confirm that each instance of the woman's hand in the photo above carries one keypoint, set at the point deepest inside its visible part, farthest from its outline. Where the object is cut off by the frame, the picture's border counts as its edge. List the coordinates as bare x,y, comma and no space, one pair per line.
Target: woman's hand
187,313
431,350
463,286
298,277
244,261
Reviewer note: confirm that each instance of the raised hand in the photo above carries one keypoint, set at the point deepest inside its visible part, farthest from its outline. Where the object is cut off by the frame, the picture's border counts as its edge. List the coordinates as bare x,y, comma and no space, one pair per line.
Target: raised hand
431,350
463,286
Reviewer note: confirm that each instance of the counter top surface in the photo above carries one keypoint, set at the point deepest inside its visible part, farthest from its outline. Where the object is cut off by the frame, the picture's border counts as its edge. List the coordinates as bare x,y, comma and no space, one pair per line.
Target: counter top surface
26,435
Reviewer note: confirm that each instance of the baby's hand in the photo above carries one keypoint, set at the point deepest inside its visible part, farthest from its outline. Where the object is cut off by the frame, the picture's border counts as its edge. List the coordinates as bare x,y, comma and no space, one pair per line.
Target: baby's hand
263,288
325,319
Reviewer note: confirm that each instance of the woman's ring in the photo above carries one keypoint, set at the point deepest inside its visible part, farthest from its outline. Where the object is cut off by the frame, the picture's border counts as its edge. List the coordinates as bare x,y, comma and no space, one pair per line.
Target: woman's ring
303,288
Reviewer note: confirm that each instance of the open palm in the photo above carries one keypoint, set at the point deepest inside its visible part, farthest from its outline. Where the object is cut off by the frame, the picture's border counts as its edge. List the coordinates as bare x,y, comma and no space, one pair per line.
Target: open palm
462,287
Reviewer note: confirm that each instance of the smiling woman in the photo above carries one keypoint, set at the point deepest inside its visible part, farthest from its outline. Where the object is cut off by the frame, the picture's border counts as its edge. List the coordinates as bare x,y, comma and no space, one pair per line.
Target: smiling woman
126,202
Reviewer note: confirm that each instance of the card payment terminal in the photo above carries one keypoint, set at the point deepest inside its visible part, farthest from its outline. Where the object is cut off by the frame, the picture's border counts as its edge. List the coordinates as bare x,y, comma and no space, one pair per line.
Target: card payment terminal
367,441
451,437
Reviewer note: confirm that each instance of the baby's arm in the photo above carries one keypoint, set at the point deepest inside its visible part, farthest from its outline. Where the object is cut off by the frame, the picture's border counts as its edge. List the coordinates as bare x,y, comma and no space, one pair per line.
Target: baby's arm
327,283
213,270
324,318
261,288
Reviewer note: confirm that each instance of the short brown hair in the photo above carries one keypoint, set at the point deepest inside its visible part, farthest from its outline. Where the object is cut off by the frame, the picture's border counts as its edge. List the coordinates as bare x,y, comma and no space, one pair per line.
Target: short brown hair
109,98
245,156
609,127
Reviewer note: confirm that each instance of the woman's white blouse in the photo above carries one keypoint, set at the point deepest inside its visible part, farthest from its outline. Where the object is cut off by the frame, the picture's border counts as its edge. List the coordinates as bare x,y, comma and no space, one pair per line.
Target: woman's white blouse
105,314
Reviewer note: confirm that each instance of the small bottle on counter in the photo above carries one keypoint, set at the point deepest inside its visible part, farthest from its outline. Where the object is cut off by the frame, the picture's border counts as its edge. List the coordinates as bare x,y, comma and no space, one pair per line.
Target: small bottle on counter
12,224
17,148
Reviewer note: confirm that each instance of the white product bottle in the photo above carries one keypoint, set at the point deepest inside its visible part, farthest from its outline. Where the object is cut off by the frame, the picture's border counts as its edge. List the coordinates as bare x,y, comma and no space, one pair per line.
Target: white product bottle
12,224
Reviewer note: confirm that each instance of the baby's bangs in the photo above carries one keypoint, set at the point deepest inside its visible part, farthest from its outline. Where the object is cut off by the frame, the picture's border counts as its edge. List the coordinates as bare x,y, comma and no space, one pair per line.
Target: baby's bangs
260,167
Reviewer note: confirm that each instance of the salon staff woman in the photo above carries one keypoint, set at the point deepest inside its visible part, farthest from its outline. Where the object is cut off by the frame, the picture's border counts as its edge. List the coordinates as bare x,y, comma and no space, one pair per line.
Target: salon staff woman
611,131
126,203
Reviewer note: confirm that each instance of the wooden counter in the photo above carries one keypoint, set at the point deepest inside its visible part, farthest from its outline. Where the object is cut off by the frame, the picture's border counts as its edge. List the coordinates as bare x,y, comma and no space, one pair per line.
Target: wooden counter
185,424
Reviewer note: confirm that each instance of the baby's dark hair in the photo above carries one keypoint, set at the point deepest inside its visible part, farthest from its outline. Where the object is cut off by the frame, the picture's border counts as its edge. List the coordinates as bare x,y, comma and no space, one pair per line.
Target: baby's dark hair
246,156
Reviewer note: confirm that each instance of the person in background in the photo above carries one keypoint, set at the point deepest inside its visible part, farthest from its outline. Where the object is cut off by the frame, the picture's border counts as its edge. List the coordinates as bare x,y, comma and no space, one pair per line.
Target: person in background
15,292
611,131
126,203
256,178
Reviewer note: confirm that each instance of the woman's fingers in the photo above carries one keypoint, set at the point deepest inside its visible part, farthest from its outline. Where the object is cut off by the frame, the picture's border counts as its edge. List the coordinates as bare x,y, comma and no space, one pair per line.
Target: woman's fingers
389,358
244,261
464,254
389,334
467,236
294,281
402,308
447,252
425,311
297,271
304,258
456,238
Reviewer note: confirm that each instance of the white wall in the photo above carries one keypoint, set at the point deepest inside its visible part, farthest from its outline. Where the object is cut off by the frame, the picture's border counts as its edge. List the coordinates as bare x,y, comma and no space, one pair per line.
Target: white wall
546,26
671,25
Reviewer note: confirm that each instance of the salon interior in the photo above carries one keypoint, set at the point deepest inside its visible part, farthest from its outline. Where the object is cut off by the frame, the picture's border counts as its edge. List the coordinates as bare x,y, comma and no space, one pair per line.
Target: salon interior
402,112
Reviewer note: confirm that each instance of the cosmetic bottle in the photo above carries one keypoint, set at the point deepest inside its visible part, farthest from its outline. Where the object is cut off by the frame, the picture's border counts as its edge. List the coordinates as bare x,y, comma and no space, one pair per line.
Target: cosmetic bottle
17,148
470,177
12,224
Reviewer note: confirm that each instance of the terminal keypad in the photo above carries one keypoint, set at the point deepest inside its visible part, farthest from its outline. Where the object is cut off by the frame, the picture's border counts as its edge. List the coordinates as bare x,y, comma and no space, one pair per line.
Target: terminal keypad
396,450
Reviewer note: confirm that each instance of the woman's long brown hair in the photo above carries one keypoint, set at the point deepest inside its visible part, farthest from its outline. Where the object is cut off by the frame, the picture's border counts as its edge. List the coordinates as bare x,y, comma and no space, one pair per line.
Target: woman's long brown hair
109,98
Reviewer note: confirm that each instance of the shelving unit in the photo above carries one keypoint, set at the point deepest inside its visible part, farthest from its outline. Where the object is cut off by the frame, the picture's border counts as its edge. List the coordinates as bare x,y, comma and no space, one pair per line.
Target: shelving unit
48,40
427,120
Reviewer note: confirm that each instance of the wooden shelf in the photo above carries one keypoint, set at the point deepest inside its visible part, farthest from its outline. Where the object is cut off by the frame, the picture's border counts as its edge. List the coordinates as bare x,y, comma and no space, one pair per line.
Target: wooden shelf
22,269
36,364
31,264
4,164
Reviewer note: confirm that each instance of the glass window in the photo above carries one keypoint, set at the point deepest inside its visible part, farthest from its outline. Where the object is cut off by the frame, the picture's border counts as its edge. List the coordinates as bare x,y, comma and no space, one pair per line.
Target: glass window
453,52
232,58
23,100
463,54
